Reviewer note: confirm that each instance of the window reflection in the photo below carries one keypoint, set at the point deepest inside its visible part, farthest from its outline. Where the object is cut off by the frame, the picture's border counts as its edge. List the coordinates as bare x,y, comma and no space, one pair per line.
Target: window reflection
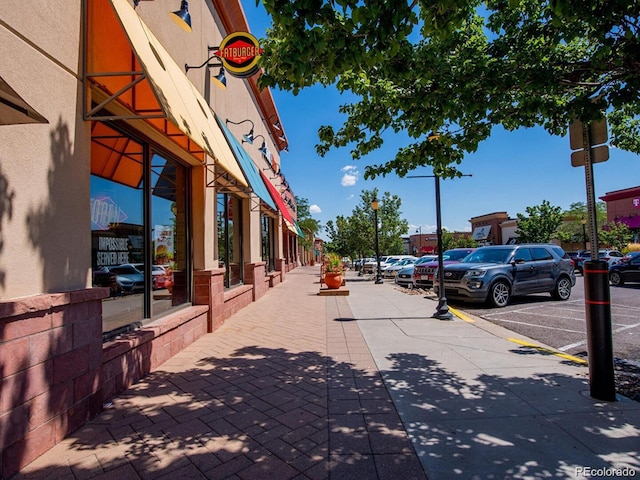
267,243
122,240
229,222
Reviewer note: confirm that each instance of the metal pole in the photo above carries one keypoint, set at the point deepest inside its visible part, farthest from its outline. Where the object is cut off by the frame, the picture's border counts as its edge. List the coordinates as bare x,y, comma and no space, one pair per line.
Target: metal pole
378,277
597,297
442,310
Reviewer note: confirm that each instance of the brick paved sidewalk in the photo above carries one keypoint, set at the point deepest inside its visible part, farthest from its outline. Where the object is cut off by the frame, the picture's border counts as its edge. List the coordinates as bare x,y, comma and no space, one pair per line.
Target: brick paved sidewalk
286,389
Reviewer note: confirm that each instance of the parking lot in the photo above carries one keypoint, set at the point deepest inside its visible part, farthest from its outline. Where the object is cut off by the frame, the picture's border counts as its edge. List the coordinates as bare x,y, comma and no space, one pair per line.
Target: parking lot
562,324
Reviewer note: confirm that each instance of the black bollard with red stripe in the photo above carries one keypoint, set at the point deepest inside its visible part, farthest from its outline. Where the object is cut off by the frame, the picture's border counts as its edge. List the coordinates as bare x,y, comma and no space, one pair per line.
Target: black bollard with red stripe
599,336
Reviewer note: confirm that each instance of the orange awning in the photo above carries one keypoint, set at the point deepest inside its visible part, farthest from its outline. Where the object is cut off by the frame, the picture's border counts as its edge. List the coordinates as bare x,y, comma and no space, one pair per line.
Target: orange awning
136,71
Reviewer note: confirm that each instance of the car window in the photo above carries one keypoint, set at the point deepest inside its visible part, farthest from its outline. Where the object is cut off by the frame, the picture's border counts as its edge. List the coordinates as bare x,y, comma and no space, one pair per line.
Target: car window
541,253
125,269
523,255
560,252
454,254
488,255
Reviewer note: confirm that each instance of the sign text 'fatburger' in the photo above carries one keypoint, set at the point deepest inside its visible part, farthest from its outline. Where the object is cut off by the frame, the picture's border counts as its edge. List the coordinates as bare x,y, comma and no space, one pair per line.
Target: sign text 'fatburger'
239,53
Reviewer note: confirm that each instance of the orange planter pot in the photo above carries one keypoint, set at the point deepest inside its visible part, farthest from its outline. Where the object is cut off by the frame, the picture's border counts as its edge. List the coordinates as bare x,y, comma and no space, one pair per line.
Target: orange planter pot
333,280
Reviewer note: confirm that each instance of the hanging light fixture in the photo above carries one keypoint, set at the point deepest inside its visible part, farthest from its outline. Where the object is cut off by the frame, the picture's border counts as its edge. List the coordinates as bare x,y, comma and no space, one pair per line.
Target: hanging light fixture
276,124
248,137
220,79
263,148
181,17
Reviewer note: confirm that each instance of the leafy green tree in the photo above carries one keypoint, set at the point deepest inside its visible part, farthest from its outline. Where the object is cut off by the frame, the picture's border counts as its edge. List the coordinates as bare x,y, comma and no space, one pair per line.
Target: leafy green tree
617,235
458,67
309,225
540,223
354,236
572,228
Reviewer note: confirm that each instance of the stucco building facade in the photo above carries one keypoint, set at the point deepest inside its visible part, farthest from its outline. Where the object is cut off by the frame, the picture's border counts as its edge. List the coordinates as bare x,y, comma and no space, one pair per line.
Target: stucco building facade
140,204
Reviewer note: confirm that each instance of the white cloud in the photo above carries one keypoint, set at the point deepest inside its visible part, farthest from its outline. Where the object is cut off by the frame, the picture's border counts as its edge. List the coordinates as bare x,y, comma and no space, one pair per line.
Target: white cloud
351,197
413,229
350,176
314,209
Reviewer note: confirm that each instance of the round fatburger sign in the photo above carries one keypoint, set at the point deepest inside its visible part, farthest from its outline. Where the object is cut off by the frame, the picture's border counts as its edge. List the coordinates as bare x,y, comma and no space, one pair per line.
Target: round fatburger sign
239,53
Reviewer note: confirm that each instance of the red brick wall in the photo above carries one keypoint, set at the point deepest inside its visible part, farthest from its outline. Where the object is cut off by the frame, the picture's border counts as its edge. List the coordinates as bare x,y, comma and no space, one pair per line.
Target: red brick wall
50,371
55,372
255,275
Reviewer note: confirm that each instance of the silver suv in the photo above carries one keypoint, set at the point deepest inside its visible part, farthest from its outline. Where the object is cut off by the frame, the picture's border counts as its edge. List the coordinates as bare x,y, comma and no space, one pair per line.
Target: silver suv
495,273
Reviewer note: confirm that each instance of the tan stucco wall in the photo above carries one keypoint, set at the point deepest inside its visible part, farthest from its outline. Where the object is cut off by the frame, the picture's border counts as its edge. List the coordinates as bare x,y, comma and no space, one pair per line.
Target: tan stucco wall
44,168
45,242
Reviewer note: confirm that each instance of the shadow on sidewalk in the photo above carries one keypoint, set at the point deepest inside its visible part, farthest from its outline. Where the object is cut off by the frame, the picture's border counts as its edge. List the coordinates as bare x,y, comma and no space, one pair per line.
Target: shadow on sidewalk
265,413
508,427
260,413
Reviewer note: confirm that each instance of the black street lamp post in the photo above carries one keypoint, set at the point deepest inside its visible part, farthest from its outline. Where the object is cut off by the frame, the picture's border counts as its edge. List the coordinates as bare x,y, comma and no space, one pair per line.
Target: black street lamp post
374,205
583,221
442,310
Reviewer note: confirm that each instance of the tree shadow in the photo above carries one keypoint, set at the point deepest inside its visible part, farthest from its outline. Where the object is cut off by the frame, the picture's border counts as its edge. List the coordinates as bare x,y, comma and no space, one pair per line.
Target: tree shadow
63,265
7,195
41,400
265,413
492,426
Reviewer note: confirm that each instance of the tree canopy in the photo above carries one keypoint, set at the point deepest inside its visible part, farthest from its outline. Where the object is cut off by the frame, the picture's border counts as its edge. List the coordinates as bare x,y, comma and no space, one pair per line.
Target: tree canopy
354,236
309,225
459,68
540,223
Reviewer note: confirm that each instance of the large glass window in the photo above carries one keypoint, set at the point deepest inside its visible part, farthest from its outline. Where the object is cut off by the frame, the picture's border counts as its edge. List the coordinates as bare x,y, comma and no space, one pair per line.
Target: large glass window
229,220
139,230
267,243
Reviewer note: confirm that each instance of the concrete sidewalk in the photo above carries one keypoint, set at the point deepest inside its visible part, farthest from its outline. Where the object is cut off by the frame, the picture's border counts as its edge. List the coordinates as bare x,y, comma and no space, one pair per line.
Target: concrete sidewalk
477,403
360,387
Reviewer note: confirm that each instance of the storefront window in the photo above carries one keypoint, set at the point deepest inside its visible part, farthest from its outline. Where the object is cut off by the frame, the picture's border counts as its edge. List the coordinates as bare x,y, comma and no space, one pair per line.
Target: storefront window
267,243
139,222
229,222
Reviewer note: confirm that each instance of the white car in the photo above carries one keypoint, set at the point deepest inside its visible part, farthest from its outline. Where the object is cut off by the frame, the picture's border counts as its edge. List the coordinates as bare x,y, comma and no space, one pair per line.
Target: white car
392,270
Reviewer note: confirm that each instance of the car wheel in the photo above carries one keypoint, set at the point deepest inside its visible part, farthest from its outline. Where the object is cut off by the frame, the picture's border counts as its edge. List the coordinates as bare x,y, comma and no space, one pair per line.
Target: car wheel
562,290
616,279
499,294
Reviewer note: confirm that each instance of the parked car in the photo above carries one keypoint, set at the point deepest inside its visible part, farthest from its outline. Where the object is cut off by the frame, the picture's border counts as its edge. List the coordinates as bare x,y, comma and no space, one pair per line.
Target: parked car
372,265
494,274
390,270
626,271
404,276
159,274
612,257
423,274
121,279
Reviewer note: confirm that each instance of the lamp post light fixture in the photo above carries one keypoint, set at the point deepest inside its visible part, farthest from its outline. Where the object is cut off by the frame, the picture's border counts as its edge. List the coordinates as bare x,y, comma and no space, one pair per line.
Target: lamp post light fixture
375,205
420,238
442,310
583,221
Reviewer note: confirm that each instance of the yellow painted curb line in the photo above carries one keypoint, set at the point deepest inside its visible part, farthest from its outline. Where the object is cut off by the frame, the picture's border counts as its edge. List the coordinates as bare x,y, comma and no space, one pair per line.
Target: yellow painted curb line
546,350
461,315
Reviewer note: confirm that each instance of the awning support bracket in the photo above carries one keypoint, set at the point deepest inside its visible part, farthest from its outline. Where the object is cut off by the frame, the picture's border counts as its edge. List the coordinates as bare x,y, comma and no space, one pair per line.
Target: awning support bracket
140,76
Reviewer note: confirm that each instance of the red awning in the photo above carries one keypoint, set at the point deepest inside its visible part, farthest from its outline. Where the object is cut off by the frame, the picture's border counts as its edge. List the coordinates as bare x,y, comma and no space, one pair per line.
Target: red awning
277,198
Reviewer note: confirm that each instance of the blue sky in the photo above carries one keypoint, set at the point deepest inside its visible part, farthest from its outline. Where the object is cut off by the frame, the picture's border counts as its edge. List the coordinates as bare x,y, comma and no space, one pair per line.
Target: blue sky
510,171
